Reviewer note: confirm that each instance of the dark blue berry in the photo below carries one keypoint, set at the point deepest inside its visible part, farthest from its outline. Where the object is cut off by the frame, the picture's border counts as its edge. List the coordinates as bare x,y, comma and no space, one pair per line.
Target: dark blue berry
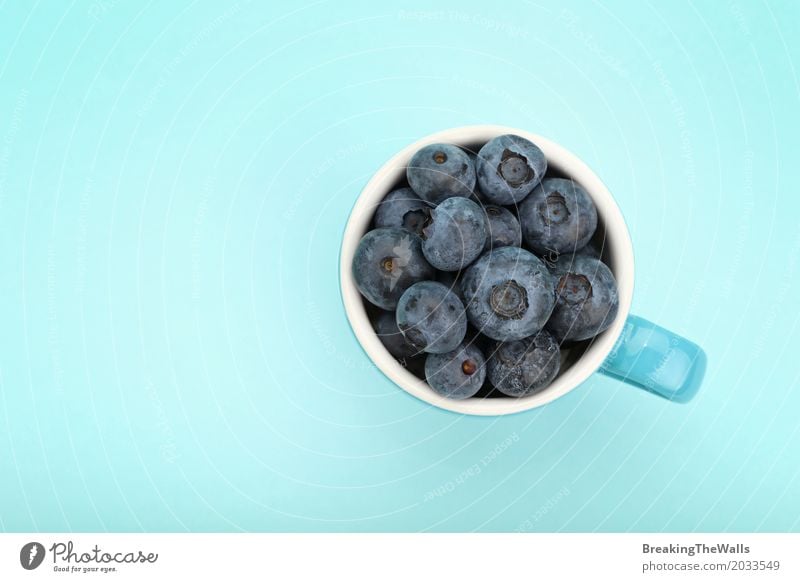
403,209
502,227
558,217
456,234
385,325
458,374
509,294
388,261
508,168
440,171
520,368
587,300
431,317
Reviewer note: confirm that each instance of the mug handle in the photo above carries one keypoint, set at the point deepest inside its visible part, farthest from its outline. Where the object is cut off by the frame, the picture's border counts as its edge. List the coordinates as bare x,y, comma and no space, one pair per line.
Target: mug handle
655,359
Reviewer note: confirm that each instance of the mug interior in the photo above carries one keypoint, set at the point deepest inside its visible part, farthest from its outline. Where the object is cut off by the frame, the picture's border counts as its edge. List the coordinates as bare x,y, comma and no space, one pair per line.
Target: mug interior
579,362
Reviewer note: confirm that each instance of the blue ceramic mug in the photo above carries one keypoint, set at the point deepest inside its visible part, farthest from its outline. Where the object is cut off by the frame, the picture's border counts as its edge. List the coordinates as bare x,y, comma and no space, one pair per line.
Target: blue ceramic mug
633,350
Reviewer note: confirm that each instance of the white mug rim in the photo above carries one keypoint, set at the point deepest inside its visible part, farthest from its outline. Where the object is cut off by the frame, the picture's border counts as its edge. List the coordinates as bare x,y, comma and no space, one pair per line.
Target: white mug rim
620,259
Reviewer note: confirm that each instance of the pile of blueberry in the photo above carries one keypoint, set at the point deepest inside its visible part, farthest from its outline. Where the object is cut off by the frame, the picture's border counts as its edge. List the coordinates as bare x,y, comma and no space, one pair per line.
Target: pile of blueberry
483,268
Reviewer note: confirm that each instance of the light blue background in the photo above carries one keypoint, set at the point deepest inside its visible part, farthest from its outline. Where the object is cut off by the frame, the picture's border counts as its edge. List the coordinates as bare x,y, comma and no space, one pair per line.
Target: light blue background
174,182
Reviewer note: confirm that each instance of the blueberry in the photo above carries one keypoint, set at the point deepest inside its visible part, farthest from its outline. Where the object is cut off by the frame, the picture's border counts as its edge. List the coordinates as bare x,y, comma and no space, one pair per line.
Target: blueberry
431,317
559,216
440,171
458,374
502,227
587,300
403,209
385,325
509,294
388,261
508,168
456,235
520,368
